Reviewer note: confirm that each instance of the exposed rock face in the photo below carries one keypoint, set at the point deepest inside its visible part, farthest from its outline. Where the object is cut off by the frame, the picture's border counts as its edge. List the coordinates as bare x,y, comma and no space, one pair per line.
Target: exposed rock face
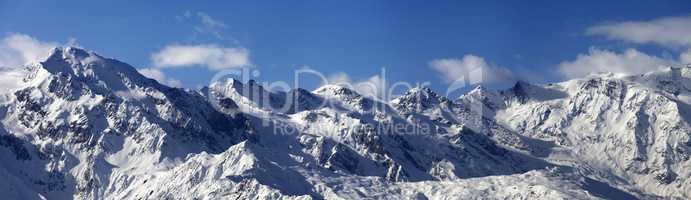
81,126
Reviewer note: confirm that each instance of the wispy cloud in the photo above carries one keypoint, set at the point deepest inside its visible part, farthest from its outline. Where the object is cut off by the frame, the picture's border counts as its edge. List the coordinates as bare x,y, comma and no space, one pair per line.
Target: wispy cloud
210,55
17,49
667,31
159,76
209,21
205,24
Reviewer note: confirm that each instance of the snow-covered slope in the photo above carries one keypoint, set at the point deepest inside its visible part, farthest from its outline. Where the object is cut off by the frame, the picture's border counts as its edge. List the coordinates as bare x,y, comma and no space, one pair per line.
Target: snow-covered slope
629,131
86,126
82,126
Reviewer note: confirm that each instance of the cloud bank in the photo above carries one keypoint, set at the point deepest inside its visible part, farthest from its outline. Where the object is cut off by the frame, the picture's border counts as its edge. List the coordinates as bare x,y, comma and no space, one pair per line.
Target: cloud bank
471,68
628,62
667,31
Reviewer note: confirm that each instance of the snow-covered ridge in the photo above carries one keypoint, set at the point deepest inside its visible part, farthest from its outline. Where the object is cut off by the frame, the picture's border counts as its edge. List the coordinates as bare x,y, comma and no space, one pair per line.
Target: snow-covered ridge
82,126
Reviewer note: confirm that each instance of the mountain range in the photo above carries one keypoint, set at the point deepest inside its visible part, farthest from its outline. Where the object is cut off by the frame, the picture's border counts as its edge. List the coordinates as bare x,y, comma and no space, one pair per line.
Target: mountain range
78,125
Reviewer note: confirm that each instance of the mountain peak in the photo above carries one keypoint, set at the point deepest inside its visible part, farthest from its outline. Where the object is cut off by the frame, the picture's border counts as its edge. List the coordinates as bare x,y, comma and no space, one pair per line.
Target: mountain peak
88,68
487,97
423,93
521,88
73,60
336,90
229,82
69,53
239,86
422,90
479,92
419,98
479,89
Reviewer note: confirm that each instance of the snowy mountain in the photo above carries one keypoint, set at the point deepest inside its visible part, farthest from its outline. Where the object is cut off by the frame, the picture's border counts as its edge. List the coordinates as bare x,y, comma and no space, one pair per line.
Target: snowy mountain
82,126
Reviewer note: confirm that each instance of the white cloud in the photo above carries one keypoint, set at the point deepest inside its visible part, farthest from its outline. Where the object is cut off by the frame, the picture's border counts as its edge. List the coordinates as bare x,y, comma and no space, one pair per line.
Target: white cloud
159,76
471,68
210,55
685,57
17,49
667,31
629,62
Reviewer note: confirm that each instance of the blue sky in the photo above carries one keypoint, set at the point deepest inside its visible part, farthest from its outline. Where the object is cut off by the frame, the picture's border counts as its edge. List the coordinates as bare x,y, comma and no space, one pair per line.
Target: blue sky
529,40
